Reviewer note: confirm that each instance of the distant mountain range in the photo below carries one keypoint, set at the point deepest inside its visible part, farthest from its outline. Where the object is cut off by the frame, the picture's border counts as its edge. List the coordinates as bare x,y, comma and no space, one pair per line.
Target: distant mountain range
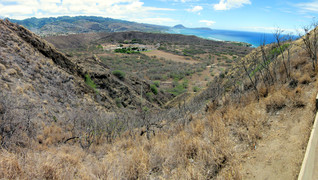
86,24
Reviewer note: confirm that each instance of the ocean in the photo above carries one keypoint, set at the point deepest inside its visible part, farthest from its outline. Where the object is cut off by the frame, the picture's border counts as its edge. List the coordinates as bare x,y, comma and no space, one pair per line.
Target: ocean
253,38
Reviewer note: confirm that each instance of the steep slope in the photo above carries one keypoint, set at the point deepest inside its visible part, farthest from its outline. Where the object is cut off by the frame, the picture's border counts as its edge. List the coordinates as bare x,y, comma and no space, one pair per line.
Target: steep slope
38,84
109,86
83,24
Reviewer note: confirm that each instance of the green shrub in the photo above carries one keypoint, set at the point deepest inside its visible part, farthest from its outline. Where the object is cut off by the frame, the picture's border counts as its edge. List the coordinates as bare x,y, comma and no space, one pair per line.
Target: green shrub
228,61
196,89
185,83
154,89
149,96
179,88
90,82
118,102
278,50
156,83
119,74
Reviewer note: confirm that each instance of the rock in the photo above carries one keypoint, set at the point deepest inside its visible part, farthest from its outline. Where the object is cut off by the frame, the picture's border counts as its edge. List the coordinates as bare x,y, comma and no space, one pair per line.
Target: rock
1,109
11,72
2,68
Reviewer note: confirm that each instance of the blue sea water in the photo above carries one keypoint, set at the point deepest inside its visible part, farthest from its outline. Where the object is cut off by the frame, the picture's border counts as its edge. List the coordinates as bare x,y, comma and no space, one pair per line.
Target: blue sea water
253,38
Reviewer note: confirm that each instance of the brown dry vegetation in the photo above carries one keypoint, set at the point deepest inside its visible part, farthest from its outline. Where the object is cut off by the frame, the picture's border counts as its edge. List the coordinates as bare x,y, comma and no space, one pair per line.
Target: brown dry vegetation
250,125
213,146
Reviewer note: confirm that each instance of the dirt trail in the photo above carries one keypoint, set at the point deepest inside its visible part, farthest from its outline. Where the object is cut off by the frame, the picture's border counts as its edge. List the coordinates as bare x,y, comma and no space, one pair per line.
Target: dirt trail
279,154
169,56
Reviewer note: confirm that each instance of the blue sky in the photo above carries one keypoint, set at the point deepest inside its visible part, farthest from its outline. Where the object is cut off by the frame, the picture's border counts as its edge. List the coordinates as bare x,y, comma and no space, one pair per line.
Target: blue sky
246,15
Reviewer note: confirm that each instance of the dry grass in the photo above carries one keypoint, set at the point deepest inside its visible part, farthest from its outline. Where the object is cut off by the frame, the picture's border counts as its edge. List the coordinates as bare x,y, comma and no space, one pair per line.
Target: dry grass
203,149
305,79
52,134
275,102
197,151
200,150
262,90
9,166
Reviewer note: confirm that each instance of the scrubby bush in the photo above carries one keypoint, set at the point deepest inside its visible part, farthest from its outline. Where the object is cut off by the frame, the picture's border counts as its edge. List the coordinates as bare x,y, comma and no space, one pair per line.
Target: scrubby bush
118,102
119,74
179,88
90,82
156,83
149,96
196,89
154,89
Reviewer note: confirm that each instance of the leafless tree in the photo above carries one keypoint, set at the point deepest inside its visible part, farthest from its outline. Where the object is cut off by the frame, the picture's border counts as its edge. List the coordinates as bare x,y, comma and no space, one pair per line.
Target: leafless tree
280,41
310,40
250,71
265,63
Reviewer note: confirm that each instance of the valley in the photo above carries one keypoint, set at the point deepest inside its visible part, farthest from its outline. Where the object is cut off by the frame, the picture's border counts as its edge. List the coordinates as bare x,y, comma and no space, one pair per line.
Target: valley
144,105
186,60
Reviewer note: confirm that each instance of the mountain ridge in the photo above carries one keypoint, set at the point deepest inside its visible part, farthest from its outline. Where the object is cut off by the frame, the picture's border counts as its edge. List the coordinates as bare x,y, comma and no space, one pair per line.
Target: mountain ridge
84,24
88,24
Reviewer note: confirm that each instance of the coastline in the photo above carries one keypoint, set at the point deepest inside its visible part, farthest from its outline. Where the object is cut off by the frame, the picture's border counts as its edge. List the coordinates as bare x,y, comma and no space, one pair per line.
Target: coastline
244,38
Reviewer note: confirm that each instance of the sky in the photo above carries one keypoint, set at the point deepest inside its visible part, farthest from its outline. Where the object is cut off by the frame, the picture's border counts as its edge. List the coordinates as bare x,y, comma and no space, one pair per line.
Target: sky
242,15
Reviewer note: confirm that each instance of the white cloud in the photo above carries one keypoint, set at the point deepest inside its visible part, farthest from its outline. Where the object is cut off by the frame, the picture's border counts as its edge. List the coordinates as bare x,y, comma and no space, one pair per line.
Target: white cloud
122,9
207,22
159,21
195,9
184,1
310,17
179,1
230,4
308,7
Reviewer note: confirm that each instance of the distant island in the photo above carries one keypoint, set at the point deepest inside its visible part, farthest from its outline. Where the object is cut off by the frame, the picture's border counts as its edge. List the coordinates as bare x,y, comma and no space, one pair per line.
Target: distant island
179,26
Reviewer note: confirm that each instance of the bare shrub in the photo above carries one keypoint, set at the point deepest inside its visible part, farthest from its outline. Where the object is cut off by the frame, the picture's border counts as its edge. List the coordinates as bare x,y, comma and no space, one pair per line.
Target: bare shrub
275,103
310,40
305,79
263,91
16,126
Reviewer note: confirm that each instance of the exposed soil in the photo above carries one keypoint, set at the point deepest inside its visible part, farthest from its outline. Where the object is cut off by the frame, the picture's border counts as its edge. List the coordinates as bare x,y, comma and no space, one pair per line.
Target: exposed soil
200,79
315,175
169,56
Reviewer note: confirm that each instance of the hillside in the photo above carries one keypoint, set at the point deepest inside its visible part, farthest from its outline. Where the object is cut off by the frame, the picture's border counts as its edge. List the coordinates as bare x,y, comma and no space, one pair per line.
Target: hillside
83,24
60,119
